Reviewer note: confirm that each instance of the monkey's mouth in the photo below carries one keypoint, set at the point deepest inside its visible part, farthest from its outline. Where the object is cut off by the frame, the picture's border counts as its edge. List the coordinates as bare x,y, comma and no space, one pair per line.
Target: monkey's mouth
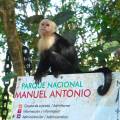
42,29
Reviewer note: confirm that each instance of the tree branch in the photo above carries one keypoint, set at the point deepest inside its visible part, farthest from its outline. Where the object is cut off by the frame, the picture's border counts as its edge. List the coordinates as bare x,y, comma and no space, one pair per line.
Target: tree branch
1,12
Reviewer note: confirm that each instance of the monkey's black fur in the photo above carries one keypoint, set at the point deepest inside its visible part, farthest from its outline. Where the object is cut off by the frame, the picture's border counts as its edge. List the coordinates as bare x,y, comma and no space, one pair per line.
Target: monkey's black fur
61,58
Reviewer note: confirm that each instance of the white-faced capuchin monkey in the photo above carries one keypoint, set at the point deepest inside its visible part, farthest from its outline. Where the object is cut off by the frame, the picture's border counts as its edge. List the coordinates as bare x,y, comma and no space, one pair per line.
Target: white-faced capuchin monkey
59,56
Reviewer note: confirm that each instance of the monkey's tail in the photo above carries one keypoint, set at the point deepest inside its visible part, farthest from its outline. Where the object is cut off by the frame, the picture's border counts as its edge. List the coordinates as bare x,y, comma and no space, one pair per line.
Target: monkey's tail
103,89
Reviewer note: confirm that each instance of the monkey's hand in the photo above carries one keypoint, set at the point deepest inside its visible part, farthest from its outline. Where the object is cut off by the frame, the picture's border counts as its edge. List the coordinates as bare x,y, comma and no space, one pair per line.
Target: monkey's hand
56,74
37,77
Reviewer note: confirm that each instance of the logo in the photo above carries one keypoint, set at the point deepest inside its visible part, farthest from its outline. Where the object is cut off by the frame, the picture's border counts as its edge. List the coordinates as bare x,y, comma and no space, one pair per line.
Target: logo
19,111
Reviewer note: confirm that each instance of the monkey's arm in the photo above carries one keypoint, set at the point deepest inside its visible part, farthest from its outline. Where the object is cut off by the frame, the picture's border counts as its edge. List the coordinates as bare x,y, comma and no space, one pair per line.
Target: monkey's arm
42,68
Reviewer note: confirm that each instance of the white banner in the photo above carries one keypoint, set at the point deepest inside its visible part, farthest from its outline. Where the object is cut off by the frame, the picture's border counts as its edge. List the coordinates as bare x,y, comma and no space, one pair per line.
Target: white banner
69,97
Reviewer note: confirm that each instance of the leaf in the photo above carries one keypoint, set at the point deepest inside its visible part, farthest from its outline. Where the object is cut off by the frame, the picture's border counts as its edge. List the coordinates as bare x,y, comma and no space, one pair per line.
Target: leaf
62,17
115,36
9,76
70,35
111,46
2,43
34,19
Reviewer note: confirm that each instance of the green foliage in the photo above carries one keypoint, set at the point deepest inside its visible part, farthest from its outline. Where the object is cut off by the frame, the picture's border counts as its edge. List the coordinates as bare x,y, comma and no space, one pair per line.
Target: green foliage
62,17
105,20
70,35
9,104
9,76
1,98
34,19
1,43
111,46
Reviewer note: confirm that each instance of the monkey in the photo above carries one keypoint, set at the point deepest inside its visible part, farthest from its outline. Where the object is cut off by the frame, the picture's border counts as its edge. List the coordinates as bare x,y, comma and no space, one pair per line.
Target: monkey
59,56
55,52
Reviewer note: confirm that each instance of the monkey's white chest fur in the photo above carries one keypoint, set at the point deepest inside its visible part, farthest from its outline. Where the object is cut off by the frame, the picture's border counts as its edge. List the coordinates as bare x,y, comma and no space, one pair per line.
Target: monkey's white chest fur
46,43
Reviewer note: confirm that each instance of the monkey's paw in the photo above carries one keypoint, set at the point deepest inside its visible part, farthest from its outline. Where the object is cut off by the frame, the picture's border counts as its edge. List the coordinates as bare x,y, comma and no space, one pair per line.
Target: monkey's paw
56,74
37,78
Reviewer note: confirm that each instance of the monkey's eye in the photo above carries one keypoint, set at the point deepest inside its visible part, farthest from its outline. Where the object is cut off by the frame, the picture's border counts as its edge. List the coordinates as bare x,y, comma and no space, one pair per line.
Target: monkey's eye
47,25
42,24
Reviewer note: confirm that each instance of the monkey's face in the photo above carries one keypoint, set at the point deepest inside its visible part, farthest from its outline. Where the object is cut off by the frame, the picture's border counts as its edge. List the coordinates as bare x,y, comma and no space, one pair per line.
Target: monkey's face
45,28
